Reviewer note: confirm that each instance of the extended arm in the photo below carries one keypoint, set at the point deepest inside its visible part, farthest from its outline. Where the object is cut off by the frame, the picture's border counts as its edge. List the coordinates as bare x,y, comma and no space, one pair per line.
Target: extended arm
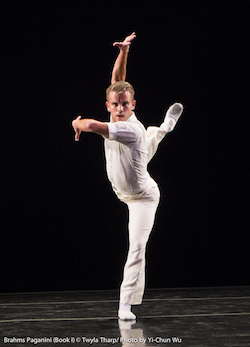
90,126
119,69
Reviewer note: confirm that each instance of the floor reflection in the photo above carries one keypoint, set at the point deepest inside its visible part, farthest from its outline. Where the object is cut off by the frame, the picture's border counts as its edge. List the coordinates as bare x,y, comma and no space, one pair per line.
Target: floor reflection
207,317
131,337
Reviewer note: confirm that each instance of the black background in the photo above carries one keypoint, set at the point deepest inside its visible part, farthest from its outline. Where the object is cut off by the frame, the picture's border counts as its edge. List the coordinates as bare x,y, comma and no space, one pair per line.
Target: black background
62,227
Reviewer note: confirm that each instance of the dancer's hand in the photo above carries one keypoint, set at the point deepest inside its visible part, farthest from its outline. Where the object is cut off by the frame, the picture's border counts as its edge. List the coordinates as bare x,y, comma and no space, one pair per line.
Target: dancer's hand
124,46
77,130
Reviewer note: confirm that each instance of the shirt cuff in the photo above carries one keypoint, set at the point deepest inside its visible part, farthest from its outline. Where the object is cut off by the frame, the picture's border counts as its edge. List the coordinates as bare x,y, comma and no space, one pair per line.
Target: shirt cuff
112,131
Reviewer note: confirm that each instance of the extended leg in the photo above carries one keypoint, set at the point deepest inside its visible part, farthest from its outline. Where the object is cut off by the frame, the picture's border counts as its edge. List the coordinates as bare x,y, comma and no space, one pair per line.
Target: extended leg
156,134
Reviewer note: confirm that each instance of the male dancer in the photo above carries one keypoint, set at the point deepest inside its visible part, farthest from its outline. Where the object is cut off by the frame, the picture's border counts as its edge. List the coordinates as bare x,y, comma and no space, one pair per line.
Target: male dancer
128,149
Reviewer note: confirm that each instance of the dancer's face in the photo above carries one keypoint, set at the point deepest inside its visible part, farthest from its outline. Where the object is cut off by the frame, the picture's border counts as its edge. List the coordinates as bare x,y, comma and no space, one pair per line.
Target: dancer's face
120,106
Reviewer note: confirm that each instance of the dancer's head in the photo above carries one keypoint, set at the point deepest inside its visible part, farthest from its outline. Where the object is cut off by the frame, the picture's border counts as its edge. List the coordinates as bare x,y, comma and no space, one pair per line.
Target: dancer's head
120,101
120,87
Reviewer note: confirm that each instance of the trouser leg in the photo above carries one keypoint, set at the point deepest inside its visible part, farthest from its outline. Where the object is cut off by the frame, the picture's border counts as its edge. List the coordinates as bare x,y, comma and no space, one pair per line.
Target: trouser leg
154,137
141,220
156,134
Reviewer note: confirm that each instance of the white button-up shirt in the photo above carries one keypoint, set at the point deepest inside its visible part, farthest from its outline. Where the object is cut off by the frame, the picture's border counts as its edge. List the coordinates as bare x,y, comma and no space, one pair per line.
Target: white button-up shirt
126,156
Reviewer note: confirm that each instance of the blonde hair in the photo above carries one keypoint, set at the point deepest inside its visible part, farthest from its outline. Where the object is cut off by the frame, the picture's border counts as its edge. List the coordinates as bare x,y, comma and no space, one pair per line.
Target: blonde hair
120,87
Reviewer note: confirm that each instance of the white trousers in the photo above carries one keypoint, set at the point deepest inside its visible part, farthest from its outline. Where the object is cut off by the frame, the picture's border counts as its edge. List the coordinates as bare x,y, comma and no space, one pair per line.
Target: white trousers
141,219
142,211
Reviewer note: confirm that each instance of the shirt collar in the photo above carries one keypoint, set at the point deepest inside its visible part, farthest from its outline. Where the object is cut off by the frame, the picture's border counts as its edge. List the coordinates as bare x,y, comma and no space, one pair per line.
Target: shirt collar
132,118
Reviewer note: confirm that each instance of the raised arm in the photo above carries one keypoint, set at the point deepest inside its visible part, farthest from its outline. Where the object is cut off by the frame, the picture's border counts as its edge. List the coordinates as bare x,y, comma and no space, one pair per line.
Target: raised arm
119,69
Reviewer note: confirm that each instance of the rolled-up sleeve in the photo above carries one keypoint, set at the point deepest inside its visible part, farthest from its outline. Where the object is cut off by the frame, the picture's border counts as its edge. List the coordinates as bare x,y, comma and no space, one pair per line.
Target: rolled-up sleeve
123,132
112,131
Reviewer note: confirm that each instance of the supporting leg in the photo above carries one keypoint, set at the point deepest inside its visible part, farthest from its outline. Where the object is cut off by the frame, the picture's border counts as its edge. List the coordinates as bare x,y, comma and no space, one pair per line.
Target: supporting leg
141,220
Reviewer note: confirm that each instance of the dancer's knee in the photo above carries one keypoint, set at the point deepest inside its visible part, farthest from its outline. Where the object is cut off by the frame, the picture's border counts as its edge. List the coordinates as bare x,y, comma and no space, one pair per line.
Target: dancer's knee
137,246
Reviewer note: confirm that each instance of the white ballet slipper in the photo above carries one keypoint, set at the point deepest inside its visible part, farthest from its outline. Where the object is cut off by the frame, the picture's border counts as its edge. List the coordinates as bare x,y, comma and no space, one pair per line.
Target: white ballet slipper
126,315
172,115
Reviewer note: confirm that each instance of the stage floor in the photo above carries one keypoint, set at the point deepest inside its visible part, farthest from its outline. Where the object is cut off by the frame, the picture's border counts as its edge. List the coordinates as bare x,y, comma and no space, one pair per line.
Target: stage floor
186,317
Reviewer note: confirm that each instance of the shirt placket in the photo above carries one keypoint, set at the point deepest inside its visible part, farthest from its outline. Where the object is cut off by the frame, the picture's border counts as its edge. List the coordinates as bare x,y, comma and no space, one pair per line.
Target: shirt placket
110,152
